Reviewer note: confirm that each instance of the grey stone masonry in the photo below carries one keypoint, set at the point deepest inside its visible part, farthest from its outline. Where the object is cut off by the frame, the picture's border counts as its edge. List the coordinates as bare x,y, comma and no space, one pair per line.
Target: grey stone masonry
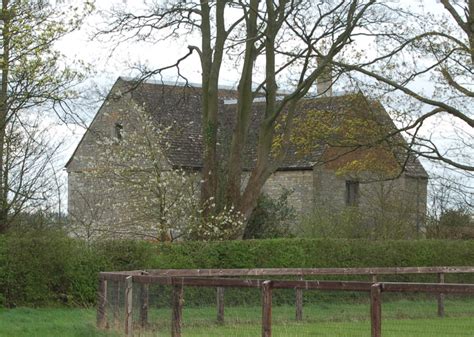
97,202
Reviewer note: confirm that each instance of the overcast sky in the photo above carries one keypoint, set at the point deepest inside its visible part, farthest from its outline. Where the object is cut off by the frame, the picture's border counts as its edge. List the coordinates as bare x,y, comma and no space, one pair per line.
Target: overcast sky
110,63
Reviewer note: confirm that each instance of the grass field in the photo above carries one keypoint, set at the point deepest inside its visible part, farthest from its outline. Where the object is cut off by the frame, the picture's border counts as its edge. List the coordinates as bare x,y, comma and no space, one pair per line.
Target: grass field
401,319
26,322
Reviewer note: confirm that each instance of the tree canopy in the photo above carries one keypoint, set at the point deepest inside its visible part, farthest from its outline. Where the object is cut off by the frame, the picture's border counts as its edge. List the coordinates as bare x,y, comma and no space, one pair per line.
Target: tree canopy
34,79
295,46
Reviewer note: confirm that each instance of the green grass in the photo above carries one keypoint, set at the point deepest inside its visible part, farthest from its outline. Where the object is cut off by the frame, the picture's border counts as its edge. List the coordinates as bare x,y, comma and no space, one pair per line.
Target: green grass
401,319
391,328
27,322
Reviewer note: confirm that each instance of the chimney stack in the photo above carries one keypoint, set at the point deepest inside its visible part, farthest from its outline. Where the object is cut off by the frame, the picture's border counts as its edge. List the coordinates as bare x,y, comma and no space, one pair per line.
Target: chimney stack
324,81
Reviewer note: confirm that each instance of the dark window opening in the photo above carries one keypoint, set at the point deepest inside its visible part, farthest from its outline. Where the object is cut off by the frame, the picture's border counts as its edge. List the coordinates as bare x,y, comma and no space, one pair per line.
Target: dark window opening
352,193
118,131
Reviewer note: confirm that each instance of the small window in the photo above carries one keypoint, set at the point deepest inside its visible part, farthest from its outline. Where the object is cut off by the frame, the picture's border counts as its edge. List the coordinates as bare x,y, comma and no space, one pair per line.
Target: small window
352,193
118,129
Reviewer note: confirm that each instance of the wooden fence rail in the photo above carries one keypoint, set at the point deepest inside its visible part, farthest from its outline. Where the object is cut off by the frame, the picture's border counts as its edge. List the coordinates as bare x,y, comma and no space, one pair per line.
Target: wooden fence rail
301,273
188,278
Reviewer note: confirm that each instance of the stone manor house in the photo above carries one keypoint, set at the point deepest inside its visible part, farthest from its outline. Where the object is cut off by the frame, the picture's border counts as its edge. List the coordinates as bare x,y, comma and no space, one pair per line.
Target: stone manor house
320,173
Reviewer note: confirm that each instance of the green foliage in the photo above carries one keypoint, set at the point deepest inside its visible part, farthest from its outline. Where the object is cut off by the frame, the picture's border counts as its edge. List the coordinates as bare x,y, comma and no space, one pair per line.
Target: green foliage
29,260
322,223
39,267
452,224
36,82
39,220
386,223
355,138
314,253
272,218
456,218
44,267
124,254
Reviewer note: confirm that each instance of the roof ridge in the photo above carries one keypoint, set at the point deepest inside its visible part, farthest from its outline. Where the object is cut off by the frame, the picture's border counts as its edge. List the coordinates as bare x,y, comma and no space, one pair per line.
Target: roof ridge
175,83
224,87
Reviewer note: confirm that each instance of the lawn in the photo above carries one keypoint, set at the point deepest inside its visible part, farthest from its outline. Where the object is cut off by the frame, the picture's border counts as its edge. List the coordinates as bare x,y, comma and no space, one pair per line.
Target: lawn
47,322
401,319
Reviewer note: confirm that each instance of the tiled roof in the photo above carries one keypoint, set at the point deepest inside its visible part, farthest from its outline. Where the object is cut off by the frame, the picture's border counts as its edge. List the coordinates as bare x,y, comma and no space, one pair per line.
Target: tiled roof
181,106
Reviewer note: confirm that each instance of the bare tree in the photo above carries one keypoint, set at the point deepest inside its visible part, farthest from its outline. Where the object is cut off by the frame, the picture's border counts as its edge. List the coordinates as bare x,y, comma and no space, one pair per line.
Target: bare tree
29,162
450,190
428,57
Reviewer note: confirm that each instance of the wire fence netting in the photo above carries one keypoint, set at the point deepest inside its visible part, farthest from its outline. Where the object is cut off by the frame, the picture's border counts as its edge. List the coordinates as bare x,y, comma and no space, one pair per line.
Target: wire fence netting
421,315
325,313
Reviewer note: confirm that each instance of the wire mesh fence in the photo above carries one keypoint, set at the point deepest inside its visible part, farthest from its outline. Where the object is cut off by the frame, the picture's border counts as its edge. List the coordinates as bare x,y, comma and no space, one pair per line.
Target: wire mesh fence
409,317
144,305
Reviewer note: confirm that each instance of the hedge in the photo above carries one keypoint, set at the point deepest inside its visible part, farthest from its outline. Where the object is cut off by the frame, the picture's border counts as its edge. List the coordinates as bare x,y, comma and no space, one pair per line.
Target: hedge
313,253
49,268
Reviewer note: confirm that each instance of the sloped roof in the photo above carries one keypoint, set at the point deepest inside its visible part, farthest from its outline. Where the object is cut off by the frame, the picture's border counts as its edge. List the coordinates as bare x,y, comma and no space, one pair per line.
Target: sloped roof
181,106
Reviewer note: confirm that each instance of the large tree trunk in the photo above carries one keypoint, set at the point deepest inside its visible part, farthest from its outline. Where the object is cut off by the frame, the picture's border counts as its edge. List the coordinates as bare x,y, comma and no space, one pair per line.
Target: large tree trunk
263,169
244,106
276,13
211,64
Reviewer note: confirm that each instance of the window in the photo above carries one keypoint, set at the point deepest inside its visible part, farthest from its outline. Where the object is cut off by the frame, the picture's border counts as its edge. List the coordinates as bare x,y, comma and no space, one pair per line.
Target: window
352,193
118,128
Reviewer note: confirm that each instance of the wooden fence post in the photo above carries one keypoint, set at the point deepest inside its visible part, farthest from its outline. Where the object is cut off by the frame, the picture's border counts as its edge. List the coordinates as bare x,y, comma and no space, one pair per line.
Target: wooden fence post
374,278
144,299
177,311
129,306
267,309
376,309
220,305
102,304
299,303
441,297
116,302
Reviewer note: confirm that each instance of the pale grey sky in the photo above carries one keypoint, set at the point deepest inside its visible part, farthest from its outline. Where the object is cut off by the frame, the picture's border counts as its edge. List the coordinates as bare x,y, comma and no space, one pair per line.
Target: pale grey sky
112,64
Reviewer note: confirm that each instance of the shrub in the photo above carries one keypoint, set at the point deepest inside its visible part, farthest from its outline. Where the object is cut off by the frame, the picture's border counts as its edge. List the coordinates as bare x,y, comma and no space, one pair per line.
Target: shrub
314,253
272,218
44,267
351,223
452,224
34,266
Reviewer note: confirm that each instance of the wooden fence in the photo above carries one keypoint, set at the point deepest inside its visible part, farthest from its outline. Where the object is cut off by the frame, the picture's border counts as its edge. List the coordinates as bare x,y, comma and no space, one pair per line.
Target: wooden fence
214,278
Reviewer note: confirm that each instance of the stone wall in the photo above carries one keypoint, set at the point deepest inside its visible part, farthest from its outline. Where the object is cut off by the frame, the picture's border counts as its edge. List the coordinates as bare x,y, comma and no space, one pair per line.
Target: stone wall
88,153
92,207
416,192
99,201
402,199
300,185
329,189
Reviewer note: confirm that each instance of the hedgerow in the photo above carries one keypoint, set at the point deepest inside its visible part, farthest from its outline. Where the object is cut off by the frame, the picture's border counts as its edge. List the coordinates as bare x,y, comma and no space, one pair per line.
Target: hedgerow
41,268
